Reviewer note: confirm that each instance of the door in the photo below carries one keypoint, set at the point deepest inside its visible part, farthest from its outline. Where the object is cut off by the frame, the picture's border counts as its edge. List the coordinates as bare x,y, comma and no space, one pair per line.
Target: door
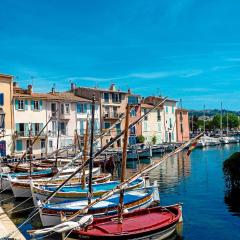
170,137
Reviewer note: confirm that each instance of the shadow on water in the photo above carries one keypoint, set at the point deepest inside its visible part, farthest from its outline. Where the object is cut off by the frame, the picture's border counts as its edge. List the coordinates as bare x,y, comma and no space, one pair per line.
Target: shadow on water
231,199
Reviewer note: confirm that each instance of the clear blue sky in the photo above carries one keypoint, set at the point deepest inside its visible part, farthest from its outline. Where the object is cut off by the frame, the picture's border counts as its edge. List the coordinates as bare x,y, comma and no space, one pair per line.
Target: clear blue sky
187,49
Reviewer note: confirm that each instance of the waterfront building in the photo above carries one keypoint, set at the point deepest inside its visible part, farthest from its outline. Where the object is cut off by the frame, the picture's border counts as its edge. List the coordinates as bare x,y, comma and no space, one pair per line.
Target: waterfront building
153,124
6,115
112,103
169,117
68,114
182,125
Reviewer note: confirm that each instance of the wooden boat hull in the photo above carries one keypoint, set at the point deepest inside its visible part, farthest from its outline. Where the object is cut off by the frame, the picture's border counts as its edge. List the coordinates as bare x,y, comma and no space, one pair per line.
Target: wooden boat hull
22,189
139,199
154,222
40,193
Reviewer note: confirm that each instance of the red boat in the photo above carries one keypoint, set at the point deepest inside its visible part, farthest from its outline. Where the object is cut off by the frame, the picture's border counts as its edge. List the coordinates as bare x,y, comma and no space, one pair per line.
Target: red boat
159,222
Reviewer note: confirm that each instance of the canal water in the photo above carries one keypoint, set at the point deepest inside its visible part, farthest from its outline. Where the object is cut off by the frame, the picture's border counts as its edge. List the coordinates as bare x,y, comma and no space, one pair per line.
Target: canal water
196,181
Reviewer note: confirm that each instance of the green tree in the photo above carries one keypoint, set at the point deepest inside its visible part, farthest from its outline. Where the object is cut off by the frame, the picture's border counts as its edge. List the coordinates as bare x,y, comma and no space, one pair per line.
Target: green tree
233,121
140,139
154,140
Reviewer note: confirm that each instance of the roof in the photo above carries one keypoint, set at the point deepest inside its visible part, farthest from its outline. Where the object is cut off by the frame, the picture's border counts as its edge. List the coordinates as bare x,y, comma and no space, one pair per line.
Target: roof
57,96
156,98
102,90
181,110
145,105
6,75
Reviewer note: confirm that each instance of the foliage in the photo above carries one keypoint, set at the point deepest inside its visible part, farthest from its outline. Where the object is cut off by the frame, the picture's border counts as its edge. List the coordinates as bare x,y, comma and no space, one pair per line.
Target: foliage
154,140
231,169
140,139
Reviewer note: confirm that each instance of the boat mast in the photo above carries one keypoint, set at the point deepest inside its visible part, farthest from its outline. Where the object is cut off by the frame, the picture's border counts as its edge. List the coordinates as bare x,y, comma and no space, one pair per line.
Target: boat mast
58,134
85,155
30,147
221,121
227,124
90,190
124,160
204,119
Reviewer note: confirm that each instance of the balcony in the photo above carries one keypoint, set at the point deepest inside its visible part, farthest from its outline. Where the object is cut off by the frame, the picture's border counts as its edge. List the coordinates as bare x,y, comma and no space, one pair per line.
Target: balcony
111,115
65,116
25,134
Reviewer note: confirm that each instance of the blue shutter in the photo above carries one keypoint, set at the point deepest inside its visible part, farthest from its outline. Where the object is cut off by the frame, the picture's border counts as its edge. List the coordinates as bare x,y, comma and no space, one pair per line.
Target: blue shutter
40,103
19,146
1,99
78,108
26,104
16,104
40,127
32,105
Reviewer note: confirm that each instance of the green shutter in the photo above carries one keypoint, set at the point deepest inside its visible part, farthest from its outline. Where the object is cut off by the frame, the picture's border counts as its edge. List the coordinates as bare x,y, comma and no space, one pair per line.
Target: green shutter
26,129
16,104
41,103
33,129
40,127
17,127
32,105
26,104
19,146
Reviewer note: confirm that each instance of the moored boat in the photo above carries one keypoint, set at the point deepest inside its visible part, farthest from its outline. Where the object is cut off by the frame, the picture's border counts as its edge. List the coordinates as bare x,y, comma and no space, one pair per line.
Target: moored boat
22,189
76,192
157,222
136,199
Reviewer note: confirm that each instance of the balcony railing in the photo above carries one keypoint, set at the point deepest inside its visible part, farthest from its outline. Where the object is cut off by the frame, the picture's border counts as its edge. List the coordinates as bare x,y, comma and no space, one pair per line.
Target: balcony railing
26,133
111,115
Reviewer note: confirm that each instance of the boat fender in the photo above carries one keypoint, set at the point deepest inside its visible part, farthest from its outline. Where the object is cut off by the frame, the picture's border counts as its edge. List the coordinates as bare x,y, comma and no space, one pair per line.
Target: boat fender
85,221
156,196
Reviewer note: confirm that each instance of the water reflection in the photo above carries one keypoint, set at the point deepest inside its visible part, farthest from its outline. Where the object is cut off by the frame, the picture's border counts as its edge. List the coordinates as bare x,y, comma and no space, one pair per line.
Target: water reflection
168,174
231,199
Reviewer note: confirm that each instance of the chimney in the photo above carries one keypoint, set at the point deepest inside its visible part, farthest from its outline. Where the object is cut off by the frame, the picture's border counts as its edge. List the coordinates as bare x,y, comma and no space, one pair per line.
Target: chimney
53,90
73,87
30,88
112,87
15,84
129,91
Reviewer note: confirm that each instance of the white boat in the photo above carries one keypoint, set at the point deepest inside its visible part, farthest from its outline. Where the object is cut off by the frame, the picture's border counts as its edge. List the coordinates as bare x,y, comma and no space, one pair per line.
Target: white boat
201,143
228,139
21,187
158,149
50,214
139,151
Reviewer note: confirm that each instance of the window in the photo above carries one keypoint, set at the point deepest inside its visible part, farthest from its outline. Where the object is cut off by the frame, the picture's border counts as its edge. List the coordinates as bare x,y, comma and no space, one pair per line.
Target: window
67,108
106,97
133,130
133,112
50,143
62,108
118,128
20,104
144,112
145,126
107,125
63,128
53,109
81,127
158,115
43,143
181,127
116,98
36,128
181,116
36,105
172,109
21,129
133,100
19,145
80,108
1,99
170,123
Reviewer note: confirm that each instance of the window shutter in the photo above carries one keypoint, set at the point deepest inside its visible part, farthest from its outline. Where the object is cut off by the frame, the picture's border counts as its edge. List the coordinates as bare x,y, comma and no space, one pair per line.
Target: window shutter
40,127
26,104
85,107
19,145
40,103
1,99
32,105
78,108
33,129
17,127
26,130
16,104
